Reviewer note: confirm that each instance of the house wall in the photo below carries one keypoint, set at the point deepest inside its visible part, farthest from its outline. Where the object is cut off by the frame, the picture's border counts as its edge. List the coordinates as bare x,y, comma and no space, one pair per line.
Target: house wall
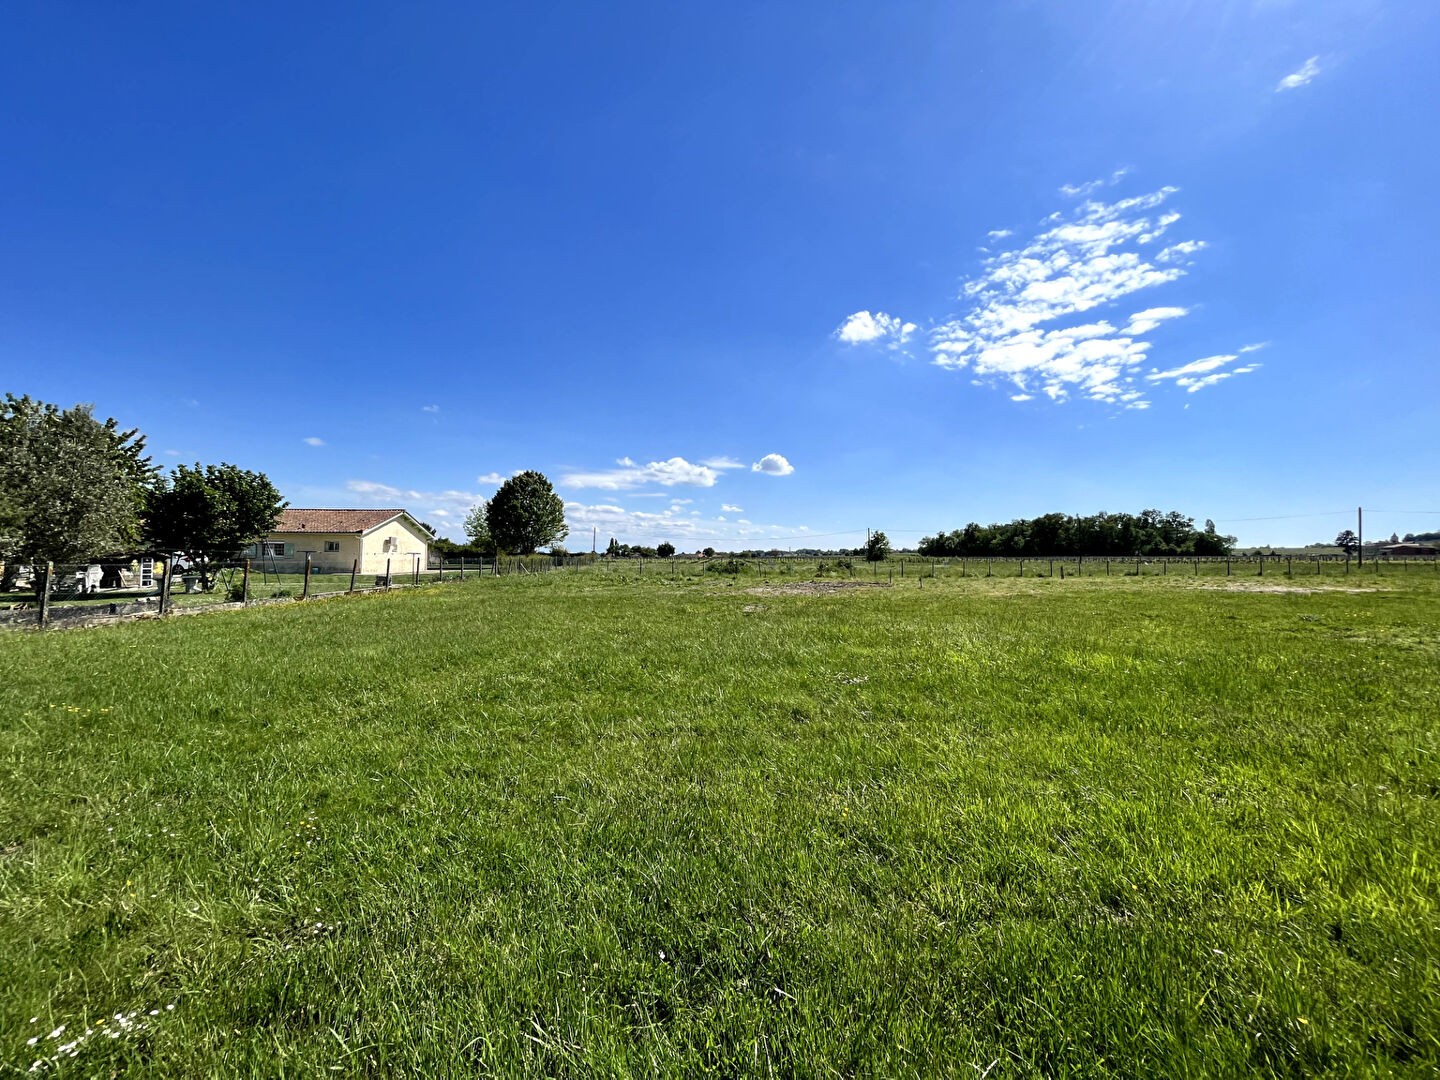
326,562
408,542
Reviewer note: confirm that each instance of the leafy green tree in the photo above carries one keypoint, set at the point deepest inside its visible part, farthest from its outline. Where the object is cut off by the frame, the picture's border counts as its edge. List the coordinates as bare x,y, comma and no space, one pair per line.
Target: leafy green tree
665,550
1348,542
526,514
210,513
477,528
709,553
612,550
877,547
71,487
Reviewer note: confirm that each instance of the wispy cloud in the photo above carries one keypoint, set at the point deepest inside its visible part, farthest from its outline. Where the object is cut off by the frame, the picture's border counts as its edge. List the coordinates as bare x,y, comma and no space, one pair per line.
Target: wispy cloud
773,465
494,479
730,508
314,440
688,530
722,463
1071,191
1199,374
863,328
1142,322
1302,77
374,493
629,475
1255,347
1000,234
430,408
1022,325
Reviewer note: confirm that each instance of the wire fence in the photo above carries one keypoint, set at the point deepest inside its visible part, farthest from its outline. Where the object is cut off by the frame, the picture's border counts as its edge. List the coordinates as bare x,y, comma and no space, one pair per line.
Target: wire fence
82,594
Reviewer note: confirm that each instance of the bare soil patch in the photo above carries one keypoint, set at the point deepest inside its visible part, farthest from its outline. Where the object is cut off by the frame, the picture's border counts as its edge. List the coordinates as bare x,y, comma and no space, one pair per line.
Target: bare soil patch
815,588
1243,586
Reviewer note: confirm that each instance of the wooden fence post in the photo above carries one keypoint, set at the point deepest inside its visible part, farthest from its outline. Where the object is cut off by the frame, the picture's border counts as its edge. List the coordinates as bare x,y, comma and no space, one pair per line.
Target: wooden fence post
305,588
164,586
354,569
387,574
245,584
45,594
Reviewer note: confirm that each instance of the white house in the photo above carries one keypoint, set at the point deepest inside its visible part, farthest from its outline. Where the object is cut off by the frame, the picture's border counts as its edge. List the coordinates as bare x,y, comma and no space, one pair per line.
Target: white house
337,539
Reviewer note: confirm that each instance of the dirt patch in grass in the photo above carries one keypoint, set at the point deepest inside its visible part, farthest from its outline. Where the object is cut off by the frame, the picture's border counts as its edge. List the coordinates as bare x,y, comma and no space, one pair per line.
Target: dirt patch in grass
1244,586
815,588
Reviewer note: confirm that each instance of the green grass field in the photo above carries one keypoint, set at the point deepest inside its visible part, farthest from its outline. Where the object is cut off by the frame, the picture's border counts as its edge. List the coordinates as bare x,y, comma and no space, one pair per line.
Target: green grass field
590,824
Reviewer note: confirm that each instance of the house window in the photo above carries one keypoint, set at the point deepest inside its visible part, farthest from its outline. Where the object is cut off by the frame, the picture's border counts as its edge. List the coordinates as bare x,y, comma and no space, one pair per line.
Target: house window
271,550
390,544
332,545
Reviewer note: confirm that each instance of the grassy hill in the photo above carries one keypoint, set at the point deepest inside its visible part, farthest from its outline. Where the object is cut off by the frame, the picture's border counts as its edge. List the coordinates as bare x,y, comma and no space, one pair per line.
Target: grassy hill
586,823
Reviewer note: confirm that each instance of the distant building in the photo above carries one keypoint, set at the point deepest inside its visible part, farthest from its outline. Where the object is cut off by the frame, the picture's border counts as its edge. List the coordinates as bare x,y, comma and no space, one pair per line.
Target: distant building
1407,549
338,539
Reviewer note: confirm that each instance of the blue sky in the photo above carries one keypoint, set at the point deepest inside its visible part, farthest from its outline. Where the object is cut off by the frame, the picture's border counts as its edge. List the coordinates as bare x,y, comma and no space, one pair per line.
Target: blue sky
758,275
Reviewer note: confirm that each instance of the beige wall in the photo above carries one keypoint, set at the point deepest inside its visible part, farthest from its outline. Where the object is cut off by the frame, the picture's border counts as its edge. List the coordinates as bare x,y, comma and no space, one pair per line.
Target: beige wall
322,560
407,543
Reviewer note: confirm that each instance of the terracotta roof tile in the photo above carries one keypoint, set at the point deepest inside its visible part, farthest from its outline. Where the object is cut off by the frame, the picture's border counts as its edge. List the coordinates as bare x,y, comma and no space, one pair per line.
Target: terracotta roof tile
332,521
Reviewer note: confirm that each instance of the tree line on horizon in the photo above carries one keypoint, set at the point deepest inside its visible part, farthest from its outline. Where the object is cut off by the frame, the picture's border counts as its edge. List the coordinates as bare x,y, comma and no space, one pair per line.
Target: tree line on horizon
1148,533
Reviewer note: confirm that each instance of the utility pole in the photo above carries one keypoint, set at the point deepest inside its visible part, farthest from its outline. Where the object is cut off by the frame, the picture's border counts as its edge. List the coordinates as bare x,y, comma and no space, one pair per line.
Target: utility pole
1360,529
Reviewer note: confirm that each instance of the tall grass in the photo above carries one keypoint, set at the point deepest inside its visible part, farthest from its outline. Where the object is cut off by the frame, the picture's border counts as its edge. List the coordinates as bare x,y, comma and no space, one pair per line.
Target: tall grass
596,824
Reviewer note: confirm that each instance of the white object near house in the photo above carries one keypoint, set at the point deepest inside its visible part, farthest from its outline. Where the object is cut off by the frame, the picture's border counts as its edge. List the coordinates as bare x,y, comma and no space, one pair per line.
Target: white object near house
336,539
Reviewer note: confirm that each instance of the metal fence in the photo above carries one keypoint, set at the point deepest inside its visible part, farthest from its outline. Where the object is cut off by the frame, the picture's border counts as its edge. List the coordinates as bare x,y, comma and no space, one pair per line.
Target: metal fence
82,594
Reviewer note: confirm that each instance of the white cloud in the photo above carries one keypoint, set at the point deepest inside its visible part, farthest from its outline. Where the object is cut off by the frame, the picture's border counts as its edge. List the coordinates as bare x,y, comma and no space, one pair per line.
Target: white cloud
722,463
445,505
688,531
1142,322
863,328
773,465
491,478
1297,79
1000,234
313,440
430,408
730,508
668,473
173,453
1195,367
1071,191
1019,327
1199,374
1255,347
1031,318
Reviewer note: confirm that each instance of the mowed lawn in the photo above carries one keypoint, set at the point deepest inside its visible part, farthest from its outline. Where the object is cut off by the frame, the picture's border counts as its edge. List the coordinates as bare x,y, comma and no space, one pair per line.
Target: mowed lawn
582,824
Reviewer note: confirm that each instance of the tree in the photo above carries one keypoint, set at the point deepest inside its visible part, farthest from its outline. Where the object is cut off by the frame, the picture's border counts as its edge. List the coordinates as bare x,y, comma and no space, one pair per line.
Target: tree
665,550
71,486
612,551
210,513
477,528
526,514
877,547
1348,542
709,553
